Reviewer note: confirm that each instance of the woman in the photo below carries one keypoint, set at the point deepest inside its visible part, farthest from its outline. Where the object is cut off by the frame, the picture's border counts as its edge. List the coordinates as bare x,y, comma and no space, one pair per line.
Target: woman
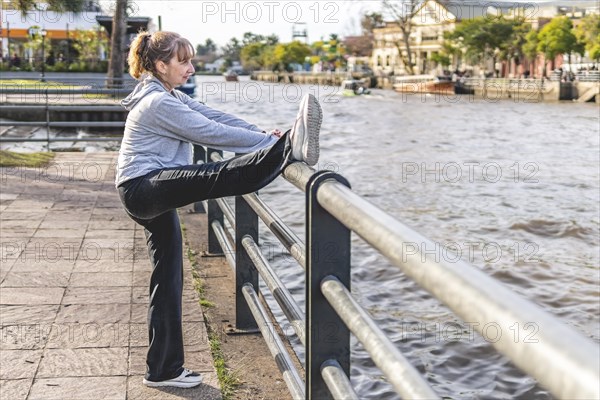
155,176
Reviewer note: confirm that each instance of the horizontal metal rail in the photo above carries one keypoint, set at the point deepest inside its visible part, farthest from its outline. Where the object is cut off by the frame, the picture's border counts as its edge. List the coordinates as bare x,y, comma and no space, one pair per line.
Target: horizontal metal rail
563,360
227,250
407,381
282,295
117,92
98,108
227,211
291,377
67,124
337,382
52,140
298,174
289,239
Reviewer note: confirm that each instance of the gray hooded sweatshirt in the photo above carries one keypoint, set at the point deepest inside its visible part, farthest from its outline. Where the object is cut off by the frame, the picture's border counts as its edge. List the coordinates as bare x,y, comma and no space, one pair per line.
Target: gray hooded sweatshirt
162,126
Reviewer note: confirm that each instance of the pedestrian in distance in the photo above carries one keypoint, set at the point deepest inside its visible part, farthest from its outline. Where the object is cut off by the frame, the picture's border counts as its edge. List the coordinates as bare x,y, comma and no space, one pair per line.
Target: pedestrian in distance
155,175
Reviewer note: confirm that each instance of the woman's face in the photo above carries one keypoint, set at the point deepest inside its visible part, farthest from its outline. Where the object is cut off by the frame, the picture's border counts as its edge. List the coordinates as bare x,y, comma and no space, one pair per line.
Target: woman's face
176,72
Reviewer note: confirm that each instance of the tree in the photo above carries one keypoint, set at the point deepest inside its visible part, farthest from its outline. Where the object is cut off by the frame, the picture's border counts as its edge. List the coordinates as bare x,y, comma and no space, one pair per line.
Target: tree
290,53
209,47
588,34
557,37
371,21
117,45
60,6
530,47
252,56
403,12
87,44
483,37
231,51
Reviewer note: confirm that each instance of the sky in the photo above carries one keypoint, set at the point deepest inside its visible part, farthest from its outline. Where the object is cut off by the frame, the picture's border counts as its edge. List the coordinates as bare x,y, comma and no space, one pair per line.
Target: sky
220,20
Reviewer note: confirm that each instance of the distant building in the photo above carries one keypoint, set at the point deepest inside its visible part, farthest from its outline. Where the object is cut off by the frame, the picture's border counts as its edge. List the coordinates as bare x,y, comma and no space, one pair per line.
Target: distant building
59,27
429,24
14,27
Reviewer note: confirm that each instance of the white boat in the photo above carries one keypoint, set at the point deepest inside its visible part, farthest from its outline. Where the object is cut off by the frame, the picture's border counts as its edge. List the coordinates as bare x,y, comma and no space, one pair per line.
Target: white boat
353,87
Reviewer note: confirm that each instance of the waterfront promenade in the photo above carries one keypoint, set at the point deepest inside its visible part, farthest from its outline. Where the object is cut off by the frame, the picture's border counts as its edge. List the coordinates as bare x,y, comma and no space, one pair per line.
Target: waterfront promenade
73,289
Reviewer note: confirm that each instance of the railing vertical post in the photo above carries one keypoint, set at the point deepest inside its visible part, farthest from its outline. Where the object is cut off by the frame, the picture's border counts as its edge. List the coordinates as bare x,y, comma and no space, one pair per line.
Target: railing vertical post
47,120
327,253
214,214
199,158
246,224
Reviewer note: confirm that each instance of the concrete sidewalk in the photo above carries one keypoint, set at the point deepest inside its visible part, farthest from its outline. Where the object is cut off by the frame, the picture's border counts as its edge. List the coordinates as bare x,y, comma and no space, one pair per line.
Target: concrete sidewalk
74,279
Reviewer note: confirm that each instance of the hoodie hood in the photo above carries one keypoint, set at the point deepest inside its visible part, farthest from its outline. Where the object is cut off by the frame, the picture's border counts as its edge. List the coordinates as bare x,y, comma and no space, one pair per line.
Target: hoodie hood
148,85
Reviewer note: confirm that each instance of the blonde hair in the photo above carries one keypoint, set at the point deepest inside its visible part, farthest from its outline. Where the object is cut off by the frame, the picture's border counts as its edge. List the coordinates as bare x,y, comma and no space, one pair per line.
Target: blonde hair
146,49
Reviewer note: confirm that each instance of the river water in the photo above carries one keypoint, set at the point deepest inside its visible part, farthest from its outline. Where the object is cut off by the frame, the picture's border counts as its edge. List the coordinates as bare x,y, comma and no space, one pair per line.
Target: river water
509,186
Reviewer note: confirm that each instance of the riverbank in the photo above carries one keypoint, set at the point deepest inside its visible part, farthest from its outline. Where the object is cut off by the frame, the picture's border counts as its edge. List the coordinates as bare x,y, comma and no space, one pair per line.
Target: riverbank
526,90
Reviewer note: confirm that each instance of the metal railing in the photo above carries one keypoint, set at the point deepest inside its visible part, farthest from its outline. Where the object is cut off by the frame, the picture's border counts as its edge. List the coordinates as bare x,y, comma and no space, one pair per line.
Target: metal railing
39,99
563,360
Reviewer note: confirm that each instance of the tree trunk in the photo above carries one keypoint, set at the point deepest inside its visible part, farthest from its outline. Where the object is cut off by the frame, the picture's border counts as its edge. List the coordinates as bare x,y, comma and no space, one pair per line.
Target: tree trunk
117,46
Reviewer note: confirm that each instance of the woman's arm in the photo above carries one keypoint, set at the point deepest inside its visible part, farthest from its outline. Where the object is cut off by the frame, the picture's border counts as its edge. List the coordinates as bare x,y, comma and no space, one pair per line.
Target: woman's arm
175,119
216,115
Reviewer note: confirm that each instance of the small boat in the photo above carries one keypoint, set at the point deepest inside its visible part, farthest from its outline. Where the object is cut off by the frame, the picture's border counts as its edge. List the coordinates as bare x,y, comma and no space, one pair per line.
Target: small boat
424,84
231,76
189,87
353,87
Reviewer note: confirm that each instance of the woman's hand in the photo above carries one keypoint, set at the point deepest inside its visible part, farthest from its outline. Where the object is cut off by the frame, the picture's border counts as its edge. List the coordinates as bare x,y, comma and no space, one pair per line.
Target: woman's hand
276,133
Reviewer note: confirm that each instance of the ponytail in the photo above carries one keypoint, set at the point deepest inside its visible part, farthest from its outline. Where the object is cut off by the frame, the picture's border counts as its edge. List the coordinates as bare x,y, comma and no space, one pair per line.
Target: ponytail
146,49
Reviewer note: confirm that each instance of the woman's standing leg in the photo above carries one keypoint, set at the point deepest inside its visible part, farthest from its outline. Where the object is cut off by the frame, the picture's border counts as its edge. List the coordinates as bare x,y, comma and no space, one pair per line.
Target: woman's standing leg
165,353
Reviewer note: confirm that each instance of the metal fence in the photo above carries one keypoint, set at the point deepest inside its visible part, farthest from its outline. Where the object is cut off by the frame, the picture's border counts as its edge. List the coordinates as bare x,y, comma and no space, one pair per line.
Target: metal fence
563,360
31,99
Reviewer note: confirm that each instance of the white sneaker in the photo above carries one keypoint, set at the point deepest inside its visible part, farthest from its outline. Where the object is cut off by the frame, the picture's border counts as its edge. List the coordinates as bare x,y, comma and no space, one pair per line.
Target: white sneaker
187,379
305,132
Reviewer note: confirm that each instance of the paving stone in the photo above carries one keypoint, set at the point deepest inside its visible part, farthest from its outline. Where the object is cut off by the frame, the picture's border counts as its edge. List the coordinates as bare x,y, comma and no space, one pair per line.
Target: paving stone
83,362
97,279
11,224
19,364
92,263
75,224
106,388
139,313
97,295
139,295
142,278
195,336
15,389
76,335
109,234
28,295
36,279
28,263
94,313
63,233
24,337
18,315
118,224
138,335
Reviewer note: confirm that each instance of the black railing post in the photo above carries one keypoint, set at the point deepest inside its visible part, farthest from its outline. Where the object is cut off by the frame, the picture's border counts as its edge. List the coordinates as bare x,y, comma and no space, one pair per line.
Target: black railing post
214,214
199,158
327,253
246,224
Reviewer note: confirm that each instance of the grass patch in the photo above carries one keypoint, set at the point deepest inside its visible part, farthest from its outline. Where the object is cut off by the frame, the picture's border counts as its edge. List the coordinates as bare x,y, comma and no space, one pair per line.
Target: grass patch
12,159
228,379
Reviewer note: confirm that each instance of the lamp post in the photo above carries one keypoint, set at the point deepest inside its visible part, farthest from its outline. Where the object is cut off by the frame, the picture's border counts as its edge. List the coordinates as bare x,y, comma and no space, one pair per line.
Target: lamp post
32,32
43,33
